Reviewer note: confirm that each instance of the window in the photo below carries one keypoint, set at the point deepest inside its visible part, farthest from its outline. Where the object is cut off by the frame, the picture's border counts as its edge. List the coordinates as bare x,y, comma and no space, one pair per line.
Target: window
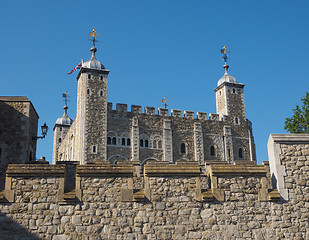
30,156
123,141
59,140
144,140
114,140
183,148
101,93
128,142
146,143
234,90
141,143
94,149
101,77
109,140
212,151
229,152
236,120
89,76
220,93
154,144
240,153
88,91
60,129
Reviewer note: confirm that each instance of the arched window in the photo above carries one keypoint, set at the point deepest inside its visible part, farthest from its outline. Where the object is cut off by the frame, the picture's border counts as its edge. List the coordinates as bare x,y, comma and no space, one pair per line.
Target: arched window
101,93
240,153
88,91
60,129
94,149
234,90
141,143
154,144
128,142
101,77
59,140
146,143
109,140
89,76
123,141
183,148
236,120
212,151
114,140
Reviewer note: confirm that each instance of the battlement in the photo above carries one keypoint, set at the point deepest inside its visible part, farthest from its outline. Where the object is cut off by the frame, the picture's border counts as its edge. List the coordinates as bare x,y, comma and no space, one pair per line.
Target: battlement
137,109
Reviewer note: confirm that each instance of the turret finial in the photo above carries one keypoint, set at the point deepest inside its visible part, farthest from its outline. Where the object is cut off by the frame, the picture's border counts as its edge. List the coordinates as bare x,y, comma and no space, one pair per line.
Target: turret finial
225,57
65,96
93,38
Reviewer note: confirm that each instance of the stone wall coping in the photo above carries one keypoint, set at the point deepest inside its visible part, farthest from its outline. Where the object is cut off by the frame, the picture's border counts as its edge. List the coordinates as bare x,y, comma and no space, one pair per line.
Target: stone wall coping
293,138
105,169
239,170
179,169
35,170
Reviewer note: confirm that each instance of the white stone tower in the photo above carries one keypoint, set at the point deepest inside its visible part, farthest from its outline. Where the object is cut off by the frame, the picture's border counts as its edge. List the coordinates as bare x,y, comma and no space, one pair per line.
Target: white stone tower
61,128
91,127
230,95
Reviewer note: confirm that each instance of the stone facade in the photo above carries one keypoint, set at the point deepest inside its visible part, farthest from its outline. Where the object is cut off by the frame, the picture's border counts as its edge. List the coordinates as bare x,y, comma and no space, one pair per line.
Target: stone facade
101,132
18,126
164,200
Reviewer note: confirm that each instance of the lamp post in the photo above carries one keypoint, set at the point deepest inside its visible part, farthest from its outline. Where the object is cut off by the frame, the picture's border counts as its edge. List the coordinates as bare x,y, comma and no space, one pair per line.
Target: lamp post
44,129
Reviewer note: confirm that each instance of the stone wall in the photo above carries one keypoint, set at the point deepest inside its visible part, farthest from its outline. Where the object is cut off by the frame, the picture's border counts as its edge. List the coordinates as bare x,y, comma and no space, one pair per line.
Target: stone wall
162,200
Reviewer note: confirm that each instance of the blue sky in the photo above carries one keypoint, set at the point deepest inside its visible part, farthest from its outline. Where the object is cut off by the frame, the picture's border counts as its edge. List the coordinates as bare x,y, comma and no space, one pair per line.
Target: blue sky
159,48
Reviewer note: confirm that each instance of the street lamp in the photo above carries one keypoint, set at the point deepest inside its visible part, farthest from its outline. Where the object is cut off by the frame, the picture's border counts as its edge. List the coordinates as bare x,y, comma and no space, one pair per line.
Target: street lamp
44,129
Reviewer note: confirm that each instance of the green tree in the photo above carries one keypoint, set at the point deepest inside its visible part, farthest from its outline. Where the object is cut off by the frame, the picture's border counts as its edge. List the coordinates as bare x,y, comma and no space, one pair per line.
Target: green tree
299,122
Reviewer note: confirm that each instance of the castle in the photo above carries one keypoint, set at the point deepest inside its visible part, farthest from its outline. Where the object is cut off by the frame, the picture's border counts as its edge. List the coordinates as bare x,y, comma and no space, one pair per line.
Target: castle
122,175
100,134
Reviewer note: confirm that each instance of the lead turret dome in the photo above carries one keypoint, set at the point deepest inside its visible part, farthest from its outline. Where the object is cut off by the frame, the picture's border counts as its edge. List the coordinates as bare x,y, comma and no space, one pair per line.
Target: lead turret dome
93,62
64,119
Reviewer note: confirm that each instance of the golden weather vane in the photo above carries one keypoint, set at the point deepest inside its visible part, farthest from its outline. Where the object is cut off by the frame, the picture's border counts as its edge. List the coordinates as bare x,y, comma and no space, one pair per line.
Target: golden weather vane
164,101
65,96
93,36
224,52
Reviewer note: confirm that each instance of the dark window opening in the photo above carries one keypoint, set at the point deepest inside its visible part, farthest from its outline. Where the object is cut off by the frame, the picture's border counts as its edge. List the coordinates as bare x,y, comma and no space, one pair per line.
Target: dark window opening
128,142
60,129
109,140
229,152
101,93
240,153
89,76
88,91
123,141
94,149
59,140
234,90
141,143
30,156
212,151
114,141
146,143
236,120
183,148
101,77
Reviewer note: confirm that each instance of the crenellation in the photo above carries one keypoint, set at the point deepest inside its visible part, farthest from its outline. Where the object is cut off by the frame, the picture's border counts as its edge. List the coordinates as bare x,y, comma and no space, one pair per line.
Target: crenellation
120,107
150,110
109,106
189,114
176,113
201,115
136,109
163,111
214,116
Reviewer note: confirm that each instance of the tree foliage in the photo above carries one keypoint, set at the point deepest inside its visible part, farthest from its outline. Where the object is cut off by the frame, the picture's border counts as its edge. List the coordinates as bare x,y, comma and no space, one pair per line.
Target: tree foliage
299,122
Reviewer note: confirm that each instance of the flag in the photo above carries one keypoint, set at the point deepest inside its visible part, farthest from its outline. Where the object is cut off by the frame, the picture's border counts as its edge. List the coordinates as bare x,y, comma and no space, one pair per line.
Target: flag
77,67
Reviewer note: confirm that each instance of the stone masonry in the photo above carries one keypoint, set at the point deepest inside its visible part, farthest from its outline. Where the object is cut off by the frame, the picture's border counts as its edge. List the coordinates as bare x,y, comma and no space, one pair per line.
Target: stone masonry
164,201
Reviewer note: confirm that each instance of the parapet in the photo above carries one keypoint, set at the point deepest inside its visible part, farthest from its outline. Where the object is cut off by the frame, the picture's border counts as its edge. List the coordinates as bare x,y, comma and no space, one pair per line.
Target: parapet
137,109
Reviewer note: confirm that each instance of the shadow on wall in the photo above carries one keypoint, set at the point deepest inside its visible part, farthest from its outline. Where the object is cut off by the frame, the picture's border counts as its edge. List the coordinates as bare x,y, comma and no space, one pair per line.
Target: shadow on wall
11,230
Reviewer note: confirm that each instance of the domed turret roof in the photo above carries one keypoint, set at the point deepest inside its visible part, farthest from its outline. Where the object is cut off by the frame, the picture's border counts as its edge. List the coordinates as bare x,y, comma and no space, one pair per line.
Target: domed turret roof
226,78
64,119
93,62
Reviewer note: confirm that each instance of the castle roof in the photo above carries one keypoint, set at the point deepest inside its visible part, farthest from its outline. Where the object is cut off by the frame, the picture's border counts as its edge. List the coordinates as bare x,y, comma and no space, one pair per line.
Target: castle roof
93,62
64,119
226,78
